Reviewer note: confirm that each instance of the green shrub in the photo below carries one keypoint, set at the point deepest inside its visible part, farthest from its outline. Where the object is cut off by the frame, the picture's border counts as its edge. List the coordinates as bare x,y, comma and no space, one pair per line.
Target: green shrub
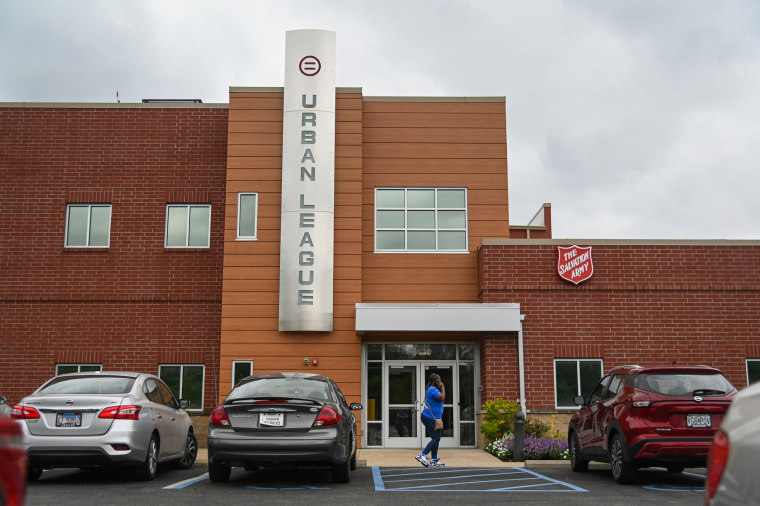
536,428
499,418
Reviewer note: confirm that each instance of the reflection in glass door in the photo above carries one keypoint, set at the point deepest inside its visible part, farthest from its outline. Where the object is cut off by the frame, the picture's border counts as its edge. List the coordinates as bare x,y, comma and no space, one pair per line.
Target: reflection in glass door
403,406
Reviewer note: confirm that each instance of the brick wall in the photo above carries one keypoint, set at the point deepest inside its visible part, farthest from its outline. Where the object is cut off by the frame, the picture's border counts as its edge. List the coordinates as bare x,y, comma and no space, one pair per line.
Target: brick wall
119,306
647,303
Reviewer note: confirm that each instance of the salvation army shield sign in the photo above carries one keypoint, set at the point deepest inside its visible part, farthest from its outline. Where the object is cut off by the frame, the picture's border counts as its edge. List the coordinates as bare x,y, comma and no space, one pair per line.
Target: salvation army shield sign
574,263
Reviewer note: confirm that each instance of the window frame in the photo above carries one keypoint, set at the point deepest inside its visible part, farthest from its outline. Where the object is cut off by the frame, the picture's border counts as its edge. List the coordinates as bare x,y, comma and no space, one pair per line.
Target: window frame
179,395
189,207
577,377
254,237
746,364
78,366
435,229
89,207
234,363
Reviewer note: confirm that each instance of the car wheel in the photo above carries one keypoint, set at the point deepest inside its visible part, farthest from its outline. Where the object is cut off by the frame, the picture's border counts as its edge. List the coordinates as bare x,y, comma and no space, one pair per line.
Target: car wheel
353,461
147,470
342,472
674,468
218,472
577,462
189,454
622,470
33,473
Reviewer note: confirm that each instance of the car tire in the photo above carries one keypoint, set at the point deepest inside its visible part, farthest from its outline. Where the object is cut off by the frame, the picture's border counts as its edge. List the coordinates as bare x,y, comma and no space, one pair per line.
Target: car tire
342,472
33,473
149,467
353,459
189,453
675,468
577,462
622,470
218,472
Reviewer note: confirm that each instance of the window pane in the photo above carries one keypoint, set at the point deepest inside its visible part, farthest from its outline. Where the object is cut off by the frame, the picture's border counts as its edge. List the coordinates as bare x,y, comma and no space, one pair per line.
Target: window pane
247,215
451,198
467,391
240,371
591,373
176,228
421,219
452,240
199,223
466,352
171,376
390,198
390,240
421,240
567,382
374,352
753,371
390,219
77,231
467,434
374,391
420,198
65,369
100,222
451,219
89,368
192,385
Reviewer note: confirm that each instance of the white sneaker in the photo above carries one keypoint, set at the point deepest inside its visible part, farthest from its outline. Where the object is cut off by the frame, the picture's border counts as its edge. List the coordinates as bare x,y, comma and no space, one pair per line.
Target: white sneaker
437,463
421,458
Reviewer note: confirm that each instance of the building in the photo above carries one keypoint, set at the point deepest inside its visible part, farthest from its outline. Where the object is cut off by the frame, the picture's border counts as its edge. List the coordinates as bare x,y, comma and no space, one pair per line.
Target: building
312,228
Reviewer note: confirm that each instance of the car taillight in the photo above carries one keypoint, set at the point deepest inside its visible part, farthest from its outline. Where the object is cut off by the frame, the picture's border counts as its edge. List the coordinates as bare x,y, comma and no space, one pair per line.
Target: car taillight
716,463
326,416
638,400
131,412
219,417
24,413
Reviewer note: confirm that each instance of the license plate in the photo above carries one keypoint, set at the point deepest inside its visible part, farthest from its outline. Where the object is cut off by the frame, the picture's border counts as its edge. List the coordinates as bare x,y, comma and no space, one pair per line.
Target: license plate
68,420
698,421
271,419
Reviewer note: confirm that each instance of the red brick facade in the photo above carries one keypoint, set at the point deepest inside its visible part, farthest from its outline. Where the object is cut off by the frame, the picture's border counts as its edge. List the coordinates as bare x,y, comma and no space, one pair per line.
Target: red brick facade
649,302
135,304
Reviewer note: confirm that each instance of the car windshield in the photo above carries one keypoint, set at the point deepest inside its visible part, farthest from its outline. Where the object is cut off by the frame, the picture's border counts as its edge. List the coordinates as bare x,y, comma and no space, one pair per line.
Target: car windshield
89,385
281,387
676,384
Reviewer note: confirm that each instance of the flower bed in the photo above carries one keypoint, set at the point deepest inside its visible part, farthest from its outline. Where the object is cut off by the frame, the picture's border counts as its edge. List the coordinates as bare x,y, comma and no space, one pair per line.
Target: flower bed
534,448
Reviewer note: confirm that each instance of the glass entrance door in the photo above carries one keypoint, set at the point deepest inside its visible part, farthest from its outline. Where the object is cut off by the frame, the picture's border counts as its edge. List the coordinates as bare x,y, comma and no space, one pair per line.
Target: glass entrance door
405,384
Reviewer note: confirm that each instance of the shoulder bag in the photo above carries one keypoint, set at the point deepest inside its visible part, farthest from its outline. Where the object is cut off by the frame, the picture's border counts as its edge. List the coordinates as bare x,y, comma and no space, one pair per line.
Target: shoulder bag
438,421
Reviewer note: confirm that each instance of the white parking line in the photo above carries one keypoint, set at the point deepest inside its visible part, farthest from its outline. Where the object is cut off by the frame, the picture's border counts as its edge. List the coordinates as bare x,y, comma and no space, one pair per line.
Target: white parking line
188,482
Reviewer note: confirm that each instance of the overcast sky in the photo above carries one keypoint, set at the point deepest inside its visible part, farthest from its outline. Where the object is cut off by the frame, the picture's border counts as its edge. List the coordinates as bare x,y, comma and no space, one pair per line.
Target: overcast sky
634,119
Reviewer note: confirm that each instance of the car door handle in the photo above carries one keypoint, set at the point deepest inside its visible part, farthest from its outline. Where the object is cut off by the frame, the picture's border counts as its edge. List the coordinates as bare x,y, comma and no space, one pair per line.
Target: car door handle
173,419
159,416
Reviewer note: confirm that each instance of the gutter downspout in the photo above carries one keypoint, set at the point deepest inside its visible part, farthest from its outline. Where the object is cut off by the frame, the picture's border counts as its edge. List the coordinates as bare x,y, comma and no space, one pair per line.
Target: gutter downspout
521,364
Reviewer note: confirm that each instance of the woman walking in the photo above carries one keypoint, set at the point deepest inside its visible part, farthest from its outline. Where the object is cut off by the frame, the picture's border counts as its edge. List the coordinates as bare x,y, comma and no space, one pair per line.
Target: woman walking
435,394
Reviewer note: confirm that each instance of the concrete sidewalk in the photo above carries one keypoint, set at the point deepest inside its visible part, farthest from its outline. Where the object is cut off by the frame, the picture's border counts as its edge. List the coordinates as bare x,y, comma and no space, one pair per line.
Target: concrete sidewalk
452,457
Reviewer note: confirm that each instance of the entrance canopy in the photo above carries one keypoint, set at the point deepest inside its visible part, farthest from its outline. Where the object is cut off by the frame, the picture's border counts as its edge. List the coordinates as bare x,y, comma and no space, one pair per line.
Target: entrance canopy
384,317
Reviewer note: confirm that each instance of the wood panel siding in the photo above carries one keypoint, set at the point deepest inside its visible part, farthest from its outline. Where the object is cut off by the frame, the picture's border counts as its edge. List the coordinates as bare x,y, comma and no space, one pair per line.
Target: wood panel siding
428,143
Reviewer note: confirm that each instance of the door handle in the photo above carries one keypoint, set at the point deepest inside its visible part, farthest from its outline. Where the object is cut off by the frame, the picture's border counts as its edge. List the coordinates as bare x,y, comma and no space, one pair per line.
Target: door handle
173,419
159,416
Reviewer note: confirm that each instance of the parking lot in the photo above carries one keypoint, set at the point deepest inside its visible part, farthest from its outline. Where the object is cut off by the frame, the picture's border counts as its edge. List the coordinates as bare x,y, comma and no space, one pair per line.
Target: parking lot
371,485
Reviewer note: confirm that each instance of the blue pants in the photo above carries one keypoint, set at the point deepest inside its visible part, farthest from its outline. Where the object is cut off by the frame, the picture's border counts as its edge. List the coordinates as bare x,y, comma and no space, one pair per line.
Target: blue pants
435,436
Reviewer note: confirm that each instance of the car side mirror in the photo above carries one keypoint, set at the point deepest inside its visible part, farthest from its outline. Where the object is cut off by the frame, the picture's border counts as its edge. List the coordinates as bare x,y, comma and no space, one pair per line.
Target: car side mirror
580,401
2,400
355,406
184,403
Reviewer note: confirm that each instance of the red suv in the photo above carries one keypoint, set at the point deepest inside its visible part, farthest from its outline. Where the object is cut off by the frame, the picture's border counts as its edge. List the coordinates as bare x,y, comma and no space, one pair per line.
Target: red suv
663,416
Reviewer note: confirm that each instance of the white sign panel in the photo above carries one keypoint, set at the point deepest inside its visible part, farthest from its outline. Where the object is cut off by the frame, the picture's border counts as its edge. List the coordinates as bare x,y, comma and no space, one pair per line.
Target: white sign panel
308,182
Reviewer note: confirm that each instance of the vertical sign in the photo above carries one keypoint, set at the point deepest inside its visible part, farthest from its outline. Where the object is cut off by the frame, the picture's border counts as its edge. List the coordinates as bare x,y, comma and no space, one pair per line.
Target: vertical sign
308,182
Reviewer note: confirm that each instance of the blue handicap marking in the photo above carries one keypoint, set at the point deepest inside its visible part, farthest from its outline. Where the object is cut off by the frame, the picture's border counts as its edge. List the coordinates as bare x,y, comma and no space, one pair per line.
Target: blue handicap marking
285,486
664,487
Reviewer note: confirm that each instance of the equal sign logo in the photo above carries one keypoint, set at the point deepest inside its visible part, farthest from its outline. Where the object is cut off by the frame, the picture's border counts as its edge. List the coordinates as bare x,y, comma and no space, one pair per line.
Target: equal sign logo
310,66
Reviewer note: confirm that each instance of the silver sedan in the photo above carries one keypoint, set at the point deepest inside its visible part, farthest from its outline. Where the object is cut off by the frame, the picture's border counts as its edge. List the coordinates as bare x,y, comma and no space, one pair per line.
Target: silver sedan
105,418
735,456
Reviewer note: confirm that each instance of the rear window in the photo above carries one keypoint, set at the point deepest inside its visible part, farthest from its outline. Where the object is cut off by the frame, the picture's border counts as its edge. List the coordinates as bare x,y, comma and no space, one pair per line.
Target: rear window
89,385
684,384
282,387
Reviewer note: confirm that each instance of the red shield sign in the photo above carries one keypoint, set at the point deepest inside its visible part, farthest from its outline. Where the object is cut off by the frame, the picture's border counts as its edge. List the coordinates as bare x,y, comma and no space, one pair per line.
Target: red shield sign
574,263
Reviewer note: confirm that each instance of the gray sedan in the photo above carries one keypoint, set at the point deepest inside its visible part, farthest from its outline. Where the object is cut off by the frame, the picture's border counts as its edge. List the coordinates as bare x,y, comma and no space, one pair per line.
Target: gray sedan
105,418
283,419
735,456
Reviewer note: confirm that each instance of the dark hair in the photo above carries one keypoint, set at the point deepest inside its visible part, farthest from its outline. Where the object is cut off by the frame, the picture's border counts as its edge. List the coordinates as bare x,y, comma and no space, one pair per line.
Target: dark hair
433,379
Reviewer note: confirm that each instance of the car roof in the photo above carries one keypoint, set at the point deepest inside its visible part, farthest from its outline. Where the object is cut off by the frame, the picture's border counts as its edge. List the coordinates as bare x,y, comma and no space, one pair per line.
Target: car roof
667,369
280,375
128,374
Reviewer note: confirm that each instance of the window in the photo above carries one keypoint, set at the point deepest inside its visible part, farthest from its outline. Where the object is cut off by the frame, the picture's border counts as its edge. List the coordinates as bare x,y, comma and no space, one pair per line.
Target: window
247,211
573,377
753,370
67,368
88,225
421,219
185,381
188,225
241,369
